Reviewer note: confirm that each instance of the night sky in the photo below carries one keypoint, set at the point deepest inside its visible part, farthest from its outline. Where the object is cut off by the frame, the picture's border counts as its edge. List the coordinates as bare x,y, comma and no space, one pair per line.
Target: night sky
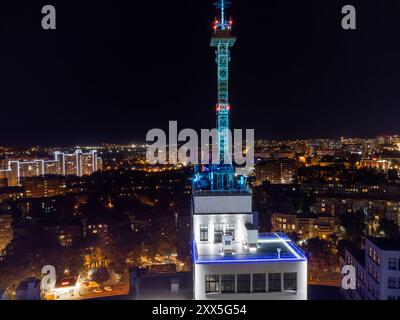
115,69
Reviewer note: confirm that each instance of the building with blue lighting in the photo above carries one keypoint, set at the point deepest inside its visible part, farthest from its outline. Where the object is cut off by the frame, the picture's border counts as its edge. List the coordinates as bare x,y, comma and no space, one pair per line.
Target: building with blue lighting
231,260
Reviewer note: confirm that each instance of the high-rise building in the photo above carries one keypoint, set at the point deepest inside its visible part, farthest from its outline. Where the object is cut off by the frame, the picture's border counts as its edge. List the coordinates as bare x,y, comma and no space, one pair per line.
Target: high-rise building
231,260
77,164
377,270
44,186
276,171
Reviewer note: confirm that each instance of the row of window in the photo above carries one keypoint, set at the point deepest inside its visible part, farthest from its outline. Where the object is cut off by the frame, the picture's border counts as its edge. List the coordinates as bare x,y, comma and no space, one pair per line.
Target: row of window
374,256
374,273
219,230
247,283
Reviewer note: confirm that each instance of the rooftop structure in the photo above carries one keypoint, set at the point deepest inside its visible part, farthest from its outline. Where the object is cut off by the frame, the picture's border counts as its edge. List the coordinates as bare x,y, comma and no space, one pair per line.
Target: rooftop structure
270,247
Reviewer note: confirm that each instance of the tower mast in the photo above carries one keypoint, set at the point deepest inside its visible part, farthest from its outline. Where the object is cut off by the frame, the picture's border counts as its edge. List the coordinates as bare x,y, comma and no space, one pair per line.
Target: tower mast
221,176
223,40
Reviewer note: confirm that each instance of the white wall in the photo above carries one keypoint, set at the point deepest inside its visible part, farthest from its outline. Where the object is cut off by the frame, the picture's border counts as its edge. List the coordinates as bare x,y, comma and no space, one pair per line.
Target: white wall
383,270
222,204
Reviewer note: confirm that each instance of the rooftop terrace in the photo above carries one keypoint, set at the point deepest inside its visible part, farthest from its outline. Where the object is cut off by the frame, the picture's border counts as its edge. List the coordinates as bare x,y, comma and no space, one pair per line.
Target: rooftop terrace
271,247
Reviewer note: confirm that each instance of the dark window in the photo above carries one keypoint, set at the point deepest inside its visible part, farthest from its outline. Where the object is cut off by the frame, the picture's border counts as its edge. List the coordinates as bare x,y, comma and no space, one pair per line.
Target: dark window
259,282
212,283
203,232
243,283
392,283
290,281
392,264
218,232
274,282
228,283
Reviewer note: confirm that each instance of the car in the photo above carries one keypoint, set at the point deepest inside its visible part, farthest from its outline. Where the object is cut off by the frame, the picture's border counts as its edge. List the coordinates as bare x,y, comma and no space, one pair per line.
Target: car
108,289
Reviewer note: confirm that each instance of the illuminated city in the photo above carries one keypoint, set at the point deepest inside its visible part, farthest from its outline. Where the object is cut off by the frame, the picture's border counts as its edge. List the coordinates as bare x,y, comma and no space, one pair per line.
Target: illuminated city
85,215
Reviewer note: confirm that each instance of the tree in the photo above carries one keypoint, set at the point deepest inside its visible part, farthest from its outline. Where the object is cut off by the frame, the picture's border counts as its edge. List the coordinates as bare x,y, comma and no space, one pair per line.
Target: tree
354,226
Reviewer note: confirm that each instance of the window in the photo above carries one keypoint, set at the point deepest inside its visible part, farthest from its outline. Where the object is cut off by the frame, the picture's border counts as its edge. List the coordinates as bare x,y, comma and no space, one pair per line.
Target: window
259,282
243,283
391,297
218,232
203,232
392,264
290,281
230,228
228,283
212,283
392,283
274,282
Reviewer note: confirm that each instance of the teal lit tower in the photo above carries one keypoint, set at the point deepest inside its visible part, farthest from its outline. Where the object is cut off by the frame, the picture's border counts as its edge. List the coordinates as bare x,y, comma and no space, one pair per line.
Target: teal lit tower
221,176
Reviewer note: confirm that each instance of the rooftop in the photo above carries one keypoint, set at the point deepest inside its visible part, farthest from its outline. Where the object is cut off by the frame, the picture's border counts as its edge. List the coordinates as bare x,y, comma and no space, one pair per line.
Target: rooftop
271,247
206,193
386,243
357,254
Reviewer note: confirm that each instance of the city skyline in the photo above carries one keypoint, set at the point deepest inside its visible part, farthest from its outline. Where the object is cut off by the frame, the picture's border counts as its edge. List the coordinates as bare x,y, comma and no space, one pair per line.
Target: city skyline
113,82
299,217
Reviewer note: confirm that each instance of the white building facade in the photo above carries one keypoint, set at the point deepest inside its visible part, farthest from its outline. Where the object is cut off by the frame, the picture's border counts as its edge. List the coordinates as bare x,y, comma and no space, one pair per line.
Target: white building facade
377,270
232,261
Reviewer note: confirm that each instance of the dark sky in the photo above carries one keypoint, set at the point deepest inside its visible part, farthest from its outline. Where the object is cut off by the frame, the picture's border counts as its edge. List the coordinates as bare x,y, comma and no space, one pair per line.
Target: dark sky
115,69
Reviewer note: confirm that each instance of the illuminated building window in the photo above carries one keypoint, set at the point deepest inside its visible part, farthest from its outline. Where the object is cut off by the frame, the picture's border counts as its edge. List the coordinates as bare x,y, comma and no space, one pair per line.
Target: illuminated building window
212,283
203,232
218,232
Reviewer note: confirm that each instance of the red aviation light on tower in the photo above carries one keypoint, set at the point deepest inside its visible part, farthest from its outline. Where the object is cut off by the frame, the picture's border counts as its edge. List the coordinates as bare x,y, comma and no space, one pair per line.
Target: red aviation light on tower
223,107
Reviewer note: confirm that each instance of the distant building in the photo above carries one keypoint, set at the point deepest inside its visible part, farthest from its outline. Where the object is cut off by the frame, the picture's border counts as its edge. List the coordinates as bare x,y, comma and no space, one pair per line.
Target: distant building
11,193
376,164
6,231
69,234
377,206
276,171
337,187
77,163
44,186
377,270
305,226
96,227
